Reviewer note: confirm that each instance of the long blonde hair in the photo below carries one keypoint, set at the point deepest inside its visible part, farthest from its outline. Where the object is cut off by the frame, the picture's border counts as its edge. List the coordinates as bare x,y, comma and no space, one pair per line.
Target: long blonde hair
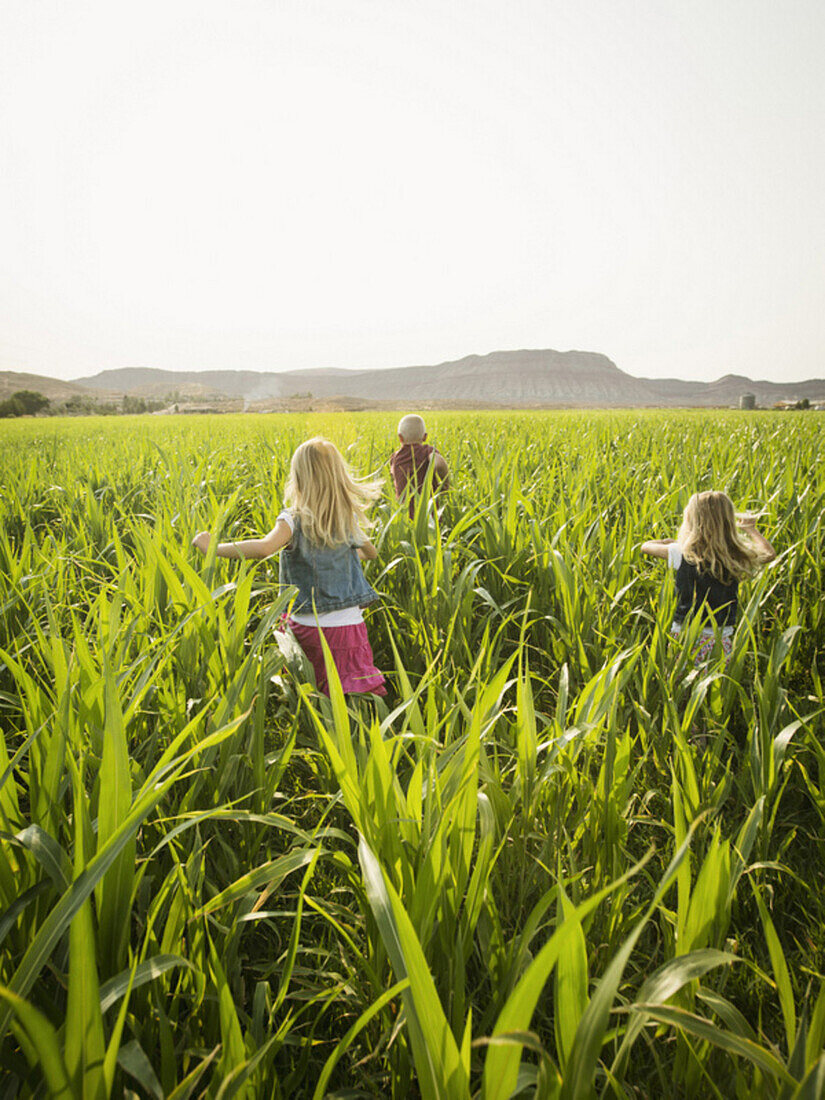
711,541
324,495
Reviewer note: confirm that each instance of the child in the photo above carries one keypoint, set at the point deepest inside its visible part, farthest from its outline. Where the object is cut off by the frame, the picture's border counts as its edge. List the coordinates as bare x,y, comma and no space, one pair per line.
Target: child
321,539
710,557
410,463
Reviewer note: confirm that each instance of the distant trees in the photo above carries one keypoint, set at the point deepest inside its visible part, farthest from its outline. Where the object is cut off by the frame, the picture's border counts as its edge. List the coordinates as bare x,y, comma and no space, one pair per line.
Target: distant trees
83,404
132,405
23,403
29,403
11,407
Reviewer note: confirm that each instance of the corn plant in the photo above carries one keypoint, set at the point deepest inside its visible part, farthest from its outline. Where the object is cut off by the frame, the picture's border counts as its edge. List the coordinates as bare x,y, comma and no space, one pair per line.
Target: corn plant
559,860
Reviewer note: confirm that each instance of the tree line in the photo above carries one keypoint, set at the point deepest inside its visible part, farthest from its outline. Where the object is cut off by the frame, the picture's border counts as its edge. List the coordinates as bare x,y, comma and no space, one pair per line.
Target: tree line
30,403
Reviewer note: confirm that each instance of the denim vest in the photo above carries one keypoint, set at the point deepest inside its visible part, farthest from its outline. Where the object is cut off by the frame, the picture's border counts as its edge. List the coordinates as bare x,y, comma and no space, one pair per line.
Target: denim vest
328,578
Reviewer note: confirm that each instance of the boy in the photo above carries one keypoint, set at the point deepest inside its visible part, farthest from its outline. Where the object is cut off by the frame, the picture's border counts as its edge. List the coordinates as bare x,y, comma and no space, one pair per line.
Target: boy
410,464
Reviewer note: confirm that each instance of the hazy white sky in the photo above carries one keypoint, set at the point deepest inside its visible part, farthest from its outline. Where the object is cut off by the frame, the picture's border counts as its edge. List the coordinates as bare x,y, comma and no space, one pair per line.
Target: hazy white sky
275,184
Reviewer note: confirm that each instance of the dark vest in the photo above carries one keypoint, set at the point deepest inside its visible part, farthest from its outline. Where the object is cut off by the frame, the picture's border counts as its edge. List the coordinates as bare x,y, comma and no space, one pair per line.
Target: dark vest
328,578
697,590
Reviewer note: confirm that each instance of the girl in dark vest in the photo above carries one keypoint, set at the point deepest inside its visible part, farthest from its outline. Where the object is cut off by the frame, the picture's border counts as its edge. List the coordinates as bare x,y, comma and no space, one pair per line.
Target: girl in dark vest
714,550
321,539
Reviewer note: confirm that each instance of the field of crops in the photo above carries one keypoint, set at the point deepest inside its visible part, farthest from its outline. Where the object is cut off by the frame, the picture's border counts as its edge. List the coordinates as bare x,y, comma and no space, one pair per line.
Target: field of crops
557,861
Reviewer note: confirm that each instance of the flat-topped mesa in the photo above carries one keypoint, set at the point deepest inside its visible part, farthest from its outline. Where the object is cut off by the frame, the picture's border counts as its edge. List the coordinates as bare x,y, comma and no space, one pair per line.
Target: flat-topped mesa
521,377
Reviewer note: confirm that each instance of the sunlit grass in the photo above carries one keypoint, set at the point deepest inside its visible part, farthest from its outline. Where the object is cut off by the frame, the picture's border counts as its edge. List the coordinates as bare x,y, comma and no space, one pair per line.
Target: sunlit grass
558,858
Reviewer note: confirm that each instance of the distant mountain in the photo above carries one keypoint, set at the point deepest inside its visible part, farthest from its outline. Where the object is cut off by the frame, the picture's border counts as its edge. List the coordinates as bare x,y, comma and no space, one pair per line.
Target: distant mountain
12,381
501,379
151,382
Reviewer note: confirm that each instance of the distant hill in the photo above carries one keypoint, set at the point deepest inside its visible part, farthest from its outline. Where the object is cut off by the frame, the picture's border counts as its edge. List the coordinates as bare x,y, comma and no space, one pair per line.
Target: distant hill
151,382
12,381
504,378
728,389
514,379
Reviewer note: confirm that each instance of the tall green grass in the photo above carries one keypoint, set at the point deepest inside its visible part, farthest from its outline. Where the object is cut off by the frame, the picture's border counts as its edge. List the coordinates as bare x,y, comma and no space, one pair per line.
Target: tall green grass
558,861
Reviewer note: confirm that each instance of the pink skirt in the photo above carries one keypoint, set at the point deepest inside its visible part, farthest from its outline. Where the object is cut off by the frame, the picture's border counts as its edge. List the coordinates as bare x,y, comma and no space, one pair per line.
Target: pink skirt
351,651
705,650
706,647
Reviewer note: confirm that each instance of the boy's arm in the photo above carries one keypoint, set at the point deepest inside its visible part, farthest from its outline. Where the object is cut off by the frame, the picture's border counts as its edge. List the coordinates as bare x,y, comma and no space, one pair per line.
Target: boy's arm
656,548
257,549
441,471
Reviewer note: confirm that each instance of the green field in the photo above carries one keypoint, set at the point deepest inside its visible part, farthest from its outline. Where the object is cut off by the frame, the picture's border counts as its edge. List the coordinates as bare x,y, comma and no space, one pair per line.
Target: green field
559,861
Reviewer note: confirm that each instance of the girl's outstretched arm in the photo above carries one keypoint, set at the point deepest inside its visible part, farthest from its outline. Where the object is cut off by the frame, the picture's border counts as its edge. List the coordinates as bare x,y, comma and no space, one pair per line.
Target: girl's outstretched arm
657,548
258,549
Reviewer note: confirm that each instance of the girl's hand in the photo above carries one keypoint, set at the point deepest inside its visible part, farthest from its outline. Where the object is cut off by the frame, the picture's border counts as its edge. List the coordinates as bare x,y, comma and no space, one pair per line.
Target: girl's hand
201,541
656,548
746,522
366,551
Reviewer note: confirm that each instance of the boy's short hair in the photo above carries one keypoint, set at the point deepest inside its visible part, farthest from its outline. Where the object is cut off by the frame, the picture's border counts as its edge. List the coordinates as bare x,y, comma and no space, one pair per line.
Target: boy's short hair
412,428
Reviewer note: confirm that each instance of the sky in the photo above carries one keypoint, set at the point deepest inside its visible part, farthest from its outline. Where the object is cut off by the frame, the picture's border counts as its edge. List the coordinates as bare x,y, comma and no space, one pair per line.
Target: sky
290,184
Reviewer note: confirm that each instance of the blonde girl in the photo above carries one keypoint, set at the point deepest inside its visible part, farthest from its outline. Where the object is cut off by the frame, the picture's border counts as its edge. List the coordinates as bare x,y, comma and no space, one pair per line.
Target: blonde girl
320,535
713,551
